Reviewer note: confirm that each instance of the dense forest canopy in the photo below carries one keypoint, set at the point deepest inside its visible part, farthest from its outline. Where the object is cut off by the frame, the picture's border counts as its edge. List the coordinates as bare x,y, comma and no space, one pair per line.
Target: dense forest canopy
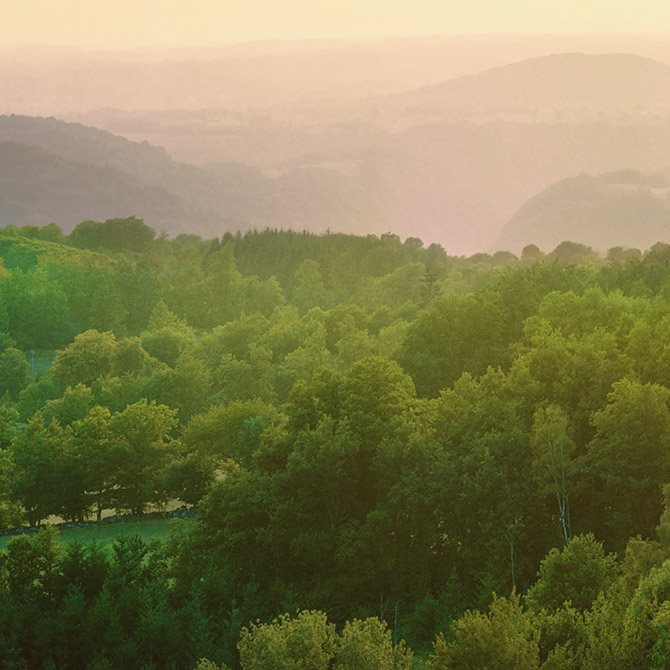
396,456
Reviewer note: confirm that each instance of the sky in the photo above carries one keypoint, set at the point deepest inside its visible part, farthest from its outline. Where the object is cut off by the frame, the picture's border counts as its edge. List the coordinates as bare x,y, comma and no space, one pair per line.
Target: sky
125,24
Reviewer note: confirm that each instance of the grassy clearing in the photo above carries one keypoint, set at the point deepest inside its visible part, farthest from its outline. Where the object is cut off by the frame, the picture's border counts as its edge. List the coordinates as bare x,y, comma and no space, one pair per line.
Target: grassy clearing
105,534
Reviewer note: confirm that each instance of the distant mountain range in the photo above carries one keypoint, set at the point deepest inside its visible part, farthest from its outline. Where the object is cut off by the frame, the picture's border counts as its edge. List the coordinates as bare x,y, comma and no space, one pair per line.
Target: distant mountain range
452,162
266,75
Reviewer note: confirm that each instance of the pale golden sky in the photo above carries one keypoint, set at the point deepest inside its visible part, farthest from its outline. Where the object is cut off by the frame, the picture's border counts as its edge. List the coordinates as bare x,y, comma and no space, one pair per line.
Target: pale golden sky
150,23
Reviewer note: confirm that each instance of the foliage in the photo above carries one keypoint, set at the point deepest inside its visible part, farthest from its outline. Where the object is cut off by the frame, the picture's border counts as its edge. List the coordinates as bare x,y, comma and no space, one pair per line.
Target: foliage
503,638
577,575
366,427
14,372
87,358
303,642
368,645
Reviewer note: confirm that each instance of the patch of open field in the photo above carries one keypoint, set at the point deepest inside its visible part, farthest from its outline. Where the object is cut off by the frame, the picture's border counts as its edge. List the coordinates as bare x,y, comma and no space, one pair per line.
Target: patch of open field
106,534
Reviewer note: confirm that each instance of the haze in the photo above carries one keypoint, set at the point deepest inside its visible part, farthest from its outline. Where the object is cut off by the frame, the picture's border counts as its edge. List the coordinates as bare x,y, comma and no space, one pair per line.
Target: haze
125,24
428,119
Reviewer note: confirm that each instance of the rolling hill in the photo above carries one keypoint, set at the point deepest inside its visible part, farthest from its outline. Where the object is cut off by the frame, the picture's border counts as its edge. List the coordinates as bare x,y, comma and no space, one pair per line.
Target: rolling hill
451,162
52,171
558,88
38,187
626,209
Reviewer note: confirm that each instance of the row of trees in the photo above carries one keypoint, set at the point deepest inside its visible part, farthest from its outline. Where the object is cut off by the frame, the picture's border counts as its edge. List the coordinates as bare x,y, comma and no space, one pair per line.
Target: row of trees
51,292
99,462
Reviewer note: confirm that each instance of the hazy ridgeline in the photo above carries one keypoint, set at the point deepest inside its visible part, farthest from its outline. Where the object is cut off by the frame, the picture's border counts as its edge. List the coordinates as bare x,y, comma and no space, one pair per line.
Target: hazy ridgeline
443,139
367,428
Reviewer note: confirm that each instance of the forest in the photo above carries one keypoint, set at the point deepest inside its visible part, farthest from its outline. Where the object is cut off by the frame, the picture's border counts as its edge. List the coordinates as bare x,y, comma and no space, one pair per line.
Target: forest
397,458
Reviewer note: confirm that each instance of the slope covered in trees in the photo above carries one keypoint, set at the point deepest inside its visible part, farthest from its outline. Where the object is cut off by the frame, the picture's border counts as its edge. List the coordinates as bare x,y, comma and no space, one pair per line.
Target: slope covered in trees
52,171
624,208
367,428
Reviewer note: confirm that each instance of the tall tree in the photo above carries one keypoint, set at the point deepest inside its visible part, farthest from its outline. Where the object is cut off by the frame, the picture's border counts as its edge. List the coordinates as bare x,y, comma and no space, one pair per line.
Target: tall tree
143,448
629,459
553,451
46,479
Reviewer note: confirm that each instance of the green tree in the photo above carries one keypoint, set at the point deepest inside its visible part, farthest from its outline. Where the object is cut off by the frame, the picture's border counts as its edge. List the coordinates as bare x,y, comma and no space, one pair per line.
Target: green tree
14,372
130,234
531,254
353,343
10,509
390,338
305,362
458,334
630,459
167,343
231,431
368,645
74,404
376,391
90,356
36,307
303,642
46,479
93,443
205,664
32,564
574,253
309,288
574,371
576,574
52,232
223,279
34,396
142,450
490,501
184,387
502,639
162,317
638,636
8,425
130,358
260,296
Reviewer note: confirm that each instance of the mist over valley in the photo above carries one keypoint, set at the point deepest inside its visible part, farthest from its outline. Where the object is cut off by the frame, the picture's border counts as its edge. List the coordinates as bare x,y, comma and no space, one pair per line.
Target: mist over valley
352,137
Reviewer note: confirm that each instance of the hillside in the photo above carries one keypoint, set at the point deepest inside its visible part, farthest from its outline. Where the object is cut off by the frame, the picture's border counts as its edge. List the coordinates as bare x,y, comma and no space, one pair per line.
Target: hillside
270,403
264,75
625,209
37,187
25,253
558,88
66,172
454,161
451,183
450,163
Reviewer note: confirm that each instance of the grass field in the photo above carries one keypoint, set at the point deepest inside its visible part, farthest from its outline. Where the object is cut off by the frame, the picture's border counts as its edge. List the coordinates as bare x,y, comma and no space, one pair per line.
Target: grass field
105,534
